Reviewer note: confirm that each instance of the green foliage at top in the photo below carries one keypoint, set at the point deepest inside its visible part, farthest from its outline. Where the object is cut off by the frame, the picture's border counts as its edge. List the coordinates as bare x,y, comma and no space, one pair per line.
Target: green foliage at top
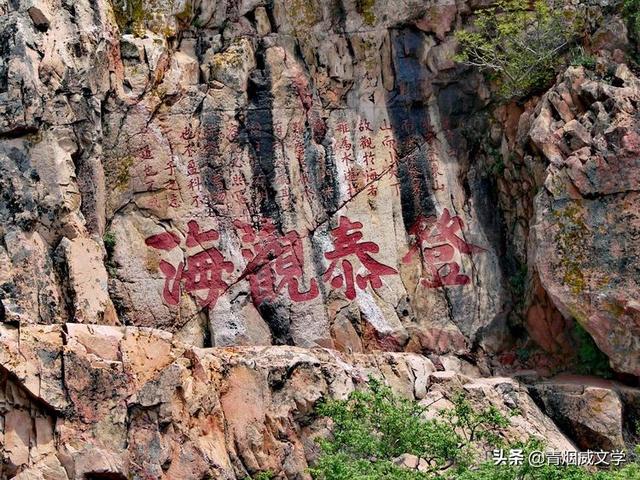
519,43
631,12
136,16
591,361
365,8
372,428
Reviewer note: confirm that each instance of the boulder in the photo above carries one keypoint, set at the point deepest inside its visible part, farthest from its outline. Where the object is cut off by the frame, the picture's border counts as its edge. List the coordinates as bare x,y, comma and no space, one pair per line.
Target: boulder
597,414
581,245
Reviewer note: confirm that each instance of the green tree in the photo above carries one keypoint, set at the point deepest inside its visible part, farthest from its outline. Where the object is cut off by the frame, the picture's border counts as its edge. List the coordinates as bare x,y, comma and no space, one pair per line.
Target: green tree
373,428
519,43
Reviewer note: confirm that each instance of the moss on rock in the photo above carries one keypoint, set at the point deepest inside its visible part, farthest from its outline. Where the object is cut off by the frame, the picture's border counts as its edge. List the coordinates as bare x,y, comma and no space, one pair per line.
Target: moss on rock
159,16
365,8
570,240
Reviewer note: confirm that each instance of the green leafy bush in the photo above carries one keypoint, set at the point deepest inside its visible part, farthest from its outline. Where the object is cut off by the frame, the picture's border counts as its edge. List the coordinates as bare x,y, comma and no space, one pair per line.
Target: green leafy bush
591,361
582,58
365,8
519,43
109,240
631,12
262,476
374,427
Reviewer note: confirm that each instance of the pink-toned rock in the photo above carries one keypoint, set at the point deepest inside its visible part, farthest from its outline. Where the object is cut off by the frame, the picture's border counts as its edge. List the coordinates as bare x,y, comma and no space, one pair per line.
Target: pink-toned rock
17,433
546,325
582,243
439,18
216,214
99,340
48,469
32,354
87,279
226,412
592,411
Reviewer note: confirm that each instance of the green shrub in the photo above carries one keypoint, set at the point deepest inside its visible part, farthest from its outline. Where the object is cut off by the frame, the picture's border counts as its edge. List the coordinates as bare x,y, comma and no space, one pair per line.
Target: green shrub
374,427
591,361
262,476
377,424
109,240
519,43
365,8
582,59
631,12
523,354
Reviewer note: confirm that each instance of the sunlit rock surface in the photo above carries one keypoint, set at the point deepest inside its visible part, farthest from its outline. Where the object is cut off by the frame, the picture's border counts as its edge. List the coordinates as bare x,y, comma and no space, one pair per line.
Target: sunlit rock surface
213,214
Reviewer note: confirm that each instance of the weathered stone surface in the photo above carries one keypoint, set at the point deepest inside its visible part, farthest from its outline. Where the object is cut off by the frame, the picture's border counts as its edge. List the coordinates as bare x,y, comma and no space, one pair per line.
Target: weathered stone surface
143,405
26,433
240,125
584,243
214,214
87,281
596,413
32,355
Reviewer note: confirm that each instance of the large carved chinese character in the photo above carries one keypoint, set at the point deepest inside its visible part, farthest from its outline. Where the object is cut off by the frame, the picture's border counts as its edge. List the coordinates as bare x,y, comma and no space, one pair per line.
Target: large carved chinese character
340,271
275,263
202,275
439,245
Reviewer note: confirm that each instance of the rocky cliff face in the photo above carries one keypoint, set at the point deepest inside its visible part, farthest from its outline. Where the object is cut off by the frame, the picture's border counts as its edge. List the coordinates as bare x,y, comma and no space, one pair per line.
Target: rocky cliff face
127,402
295,174
216,212
585,236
